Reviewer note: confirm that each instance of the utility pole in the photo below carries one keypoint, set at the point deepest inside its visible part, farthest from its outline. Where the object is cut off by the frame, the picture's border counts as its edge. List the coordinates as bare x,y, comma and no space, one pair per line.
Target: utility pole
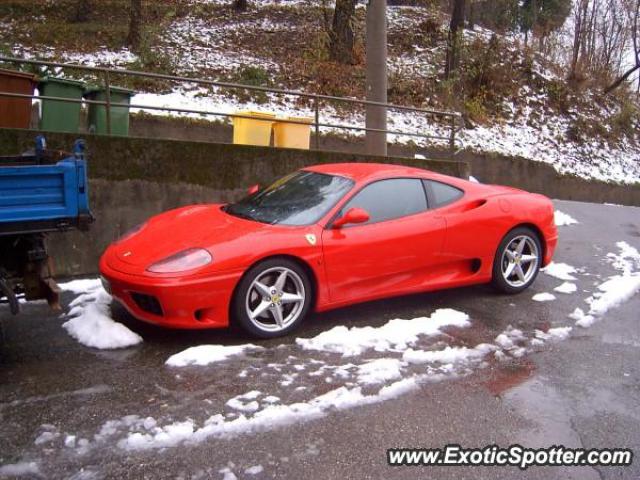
376,117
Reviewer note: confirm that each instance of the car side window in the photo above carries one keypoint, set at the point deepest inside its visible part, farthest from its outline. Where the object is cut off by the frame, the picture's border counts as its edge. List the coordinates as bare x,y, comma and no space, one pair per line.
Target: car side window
441,194
389,199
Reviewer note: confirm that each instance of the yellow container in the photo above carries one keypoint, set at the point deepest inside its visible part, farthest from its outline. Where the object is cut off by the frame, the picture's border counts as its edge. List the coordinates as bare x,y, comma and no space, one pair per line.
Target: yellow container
292,135
255,130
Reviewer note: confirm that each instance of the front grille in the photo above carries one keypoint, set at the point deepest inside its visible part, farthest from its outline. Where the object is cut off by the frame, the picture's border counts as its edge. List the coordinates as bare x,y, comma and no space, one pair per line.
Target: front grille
147,303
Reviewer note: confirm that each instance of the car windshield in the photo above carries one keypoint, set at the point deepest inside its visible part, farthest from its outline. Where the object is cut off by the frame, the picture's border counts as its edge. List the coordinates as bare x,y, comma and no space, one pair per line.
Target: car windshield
301,198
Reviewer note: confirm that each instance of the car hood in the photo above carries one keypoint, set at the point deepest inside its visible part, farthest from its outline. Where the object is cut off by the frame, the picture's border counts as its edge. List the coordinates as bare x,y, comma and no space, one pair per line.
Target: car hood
198,226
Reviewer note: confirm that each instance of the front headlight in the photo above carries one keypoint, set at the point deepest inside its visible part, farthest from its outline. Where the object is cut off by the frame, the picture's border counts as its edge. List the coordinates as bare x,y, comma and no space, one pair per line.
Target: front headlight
183,261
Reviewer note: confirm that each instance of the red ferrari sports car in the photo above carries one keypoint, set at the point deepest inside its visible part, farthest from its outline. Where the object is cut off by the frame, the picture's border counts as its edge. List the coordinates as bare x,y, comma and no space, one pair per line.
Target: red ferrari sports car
324,237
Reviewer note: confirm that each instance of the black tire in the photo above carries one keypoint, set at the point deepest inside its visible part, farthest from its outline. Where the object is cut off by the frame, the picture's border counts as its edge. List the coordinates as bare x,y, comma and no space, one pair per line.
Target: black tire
498,280
262,328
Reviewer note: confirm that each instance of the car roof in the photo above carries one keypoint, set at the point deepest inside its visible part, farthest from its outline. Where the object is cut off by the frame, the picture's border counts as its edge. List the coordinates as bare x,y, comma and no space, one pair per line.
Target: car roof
369,171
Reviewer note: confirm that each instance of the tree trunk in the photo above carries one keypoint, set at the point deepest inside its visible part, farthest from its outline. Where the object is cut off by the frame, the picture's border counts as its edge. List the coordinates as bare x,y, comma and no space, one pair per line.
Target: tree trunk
135,21
83,9
471,15
240,5
581,10
454,38
342,36
621,79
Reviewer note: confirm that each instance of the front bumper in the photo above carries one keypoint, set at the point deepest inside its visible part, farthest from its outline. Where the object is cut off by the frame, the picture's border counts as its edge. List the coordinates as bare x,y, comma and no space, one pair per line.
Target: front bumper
182,302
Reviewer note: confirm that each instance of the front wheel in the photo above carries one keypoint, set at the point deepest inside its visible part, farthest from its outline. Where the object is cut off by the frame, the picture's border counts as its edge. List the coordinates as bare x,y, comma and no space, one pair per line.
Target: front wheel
272,299
517,261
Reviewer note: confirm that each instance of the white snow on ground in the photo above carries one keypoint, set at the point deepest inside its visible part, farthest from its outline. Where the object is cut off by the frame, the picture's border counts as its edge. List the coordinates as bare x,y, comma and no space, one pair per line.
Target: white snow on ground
255,470
227,474
400,355
560,270
270,417
582,319
91,323
562,219
614,291
543,297
509,338
207,354
393,336
410,358
21,469
380,371
558,333
81,286
448,355
246,402
100,58
566,287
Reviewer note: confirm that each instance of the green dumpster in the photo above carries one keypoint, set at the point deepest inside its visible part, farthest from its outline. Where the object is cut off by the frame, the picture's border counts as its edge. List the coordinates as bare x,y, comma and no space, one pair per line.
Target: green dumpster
98,113
60,116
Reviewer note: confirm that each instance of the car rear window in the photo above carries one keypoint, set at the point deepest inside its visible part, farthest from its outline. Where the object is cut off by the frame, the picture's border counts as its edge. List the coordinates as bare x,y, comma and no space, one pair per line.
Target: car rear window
442,194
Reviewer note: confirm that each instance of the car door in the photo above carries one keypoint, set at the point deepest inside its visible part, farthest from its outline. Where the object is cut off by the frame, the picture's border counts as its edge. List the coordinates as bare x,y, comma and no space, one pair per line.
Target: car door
389,254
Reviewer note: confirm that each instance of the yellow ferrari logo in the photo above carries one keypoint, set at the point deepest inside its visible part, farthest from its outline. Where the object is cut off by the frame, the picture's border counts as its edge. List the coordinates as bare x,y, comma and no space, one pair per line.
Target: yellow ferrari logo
311,238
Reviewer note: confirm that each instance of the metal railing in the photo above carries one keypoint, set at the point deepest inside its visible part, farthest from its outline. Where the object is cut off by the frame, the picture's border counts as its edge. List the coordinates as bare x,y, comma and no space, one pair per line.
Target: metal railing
450,120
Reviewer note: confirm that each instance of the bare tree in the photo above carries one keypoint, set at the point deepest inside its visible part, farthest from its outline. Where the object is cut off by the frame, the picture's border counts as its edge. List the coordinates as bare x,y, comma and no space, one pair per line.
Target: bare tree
135,25
454,38
342,36
633,16
581,9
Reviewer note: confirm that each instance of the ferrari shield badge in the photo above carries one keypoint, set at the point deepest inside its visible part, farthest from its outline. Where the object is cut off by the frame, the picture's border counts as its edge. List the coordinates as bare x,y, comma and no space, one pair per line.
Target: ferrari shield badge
311,238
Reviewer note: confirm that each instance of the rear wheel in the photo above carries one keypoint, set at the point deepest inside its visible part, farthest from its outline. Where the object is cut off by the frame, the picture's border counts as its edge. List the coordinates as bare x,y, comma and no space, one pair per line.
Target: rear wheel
273,298
517,261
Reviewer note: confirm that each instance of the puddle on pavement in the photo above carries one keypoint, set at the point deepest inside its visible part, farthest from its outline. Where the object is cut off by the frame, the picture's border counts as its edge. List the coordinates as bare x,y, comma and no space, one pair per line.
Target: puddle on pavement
506,375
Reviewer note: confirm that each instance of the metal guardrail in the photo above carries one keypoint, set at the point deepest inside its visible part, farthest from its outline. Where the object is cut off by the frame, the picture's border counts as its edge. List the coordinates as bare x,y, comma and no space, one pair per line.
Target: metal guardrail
451,120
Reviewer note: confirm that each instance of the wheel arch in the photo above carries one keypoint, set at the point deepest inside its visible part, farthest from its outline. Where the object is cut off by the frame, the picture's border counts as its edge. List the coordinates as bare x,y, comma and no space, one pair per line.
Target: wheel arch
536,230
313,279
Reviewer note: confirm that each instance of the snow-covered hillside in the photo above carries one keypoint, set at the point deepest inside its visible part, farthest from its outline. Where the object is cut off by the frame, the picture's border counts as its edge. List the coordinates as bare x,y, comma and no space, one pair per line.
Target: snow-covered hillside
275,39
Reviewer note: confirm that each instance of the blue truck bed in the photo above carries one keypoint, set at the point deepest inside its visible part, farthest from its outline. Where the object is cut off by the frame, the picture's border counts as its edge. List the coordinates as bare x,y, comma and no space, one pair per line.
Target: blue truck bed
40,192
41,197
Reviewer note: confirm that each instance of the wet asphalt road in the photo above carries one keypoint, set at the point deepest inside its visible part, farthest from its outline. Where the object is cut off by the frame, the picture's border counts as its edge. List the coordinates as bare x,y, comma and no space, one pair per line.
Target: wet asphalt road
582,392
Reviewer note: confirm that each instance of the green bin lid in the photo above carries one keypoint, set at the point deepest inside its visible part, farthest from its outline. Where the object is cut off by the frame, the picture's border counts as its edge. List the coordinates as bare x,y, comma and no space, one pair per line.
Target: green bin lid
66,81
93,89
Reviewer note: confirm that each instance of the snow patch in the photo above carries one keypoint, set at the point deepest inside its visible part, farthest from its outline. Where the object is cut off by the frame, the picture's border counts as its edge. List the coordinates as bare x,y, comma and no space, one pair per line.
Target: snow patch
394,335
81,286
558,334
448,354
582,319
207,354
380,371
562,219
543,297
273,416
566,287
614,291
20,469
91,323
561,271
255,470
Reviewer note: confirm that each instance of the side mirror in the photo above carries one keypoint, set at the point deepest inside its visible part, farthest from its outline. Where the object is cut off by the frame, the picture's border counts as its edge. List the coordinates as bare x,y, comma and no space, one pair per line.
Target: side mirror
253,189
353,215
